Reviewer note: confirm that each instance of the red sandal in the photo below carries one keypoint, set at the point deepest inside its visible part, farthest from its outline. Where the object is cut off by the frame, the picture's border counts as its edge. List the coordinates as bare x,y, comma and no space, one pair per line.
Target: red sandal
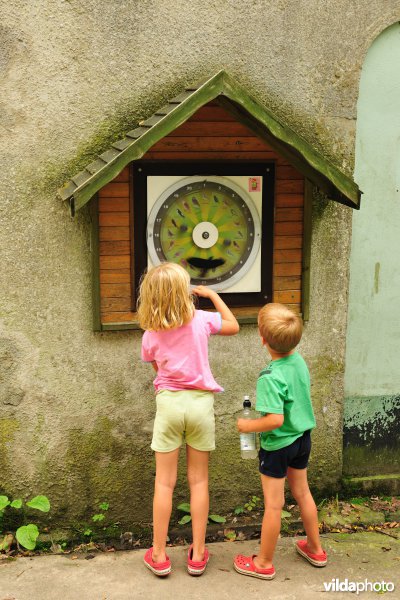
161,569
245,565
318,560
197,567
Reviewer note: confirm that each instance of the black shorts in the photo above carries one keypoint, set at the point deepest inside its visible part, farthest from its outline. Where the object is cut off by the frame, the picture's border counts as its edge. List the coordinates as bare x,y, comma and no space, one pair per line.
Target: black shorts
275,463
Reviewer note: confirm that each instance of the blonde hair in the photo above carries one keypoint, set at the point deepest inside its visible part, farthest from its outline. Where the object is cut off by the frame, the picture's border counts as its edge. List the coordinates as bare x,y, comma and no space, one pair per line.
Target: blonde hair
280,327
165,300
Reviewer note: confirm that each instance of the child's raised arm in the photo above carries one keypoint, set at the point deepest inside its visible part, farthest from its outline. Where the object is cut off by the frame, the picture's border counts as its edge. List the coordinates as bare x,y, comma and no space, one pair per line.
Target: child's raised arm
230,326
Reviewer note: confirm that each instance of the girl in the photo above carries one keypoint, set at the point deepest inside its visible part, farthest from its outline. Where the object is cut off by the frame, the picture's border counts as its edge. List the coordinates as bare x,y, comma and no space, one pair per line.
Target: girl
175,342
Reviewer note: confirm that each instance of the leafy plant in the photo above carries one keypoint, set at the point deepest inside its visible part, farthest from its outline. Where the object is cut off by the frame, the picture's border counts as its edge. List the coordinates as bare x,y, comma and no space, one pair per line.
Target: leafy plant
26,535
253,503
185,508
285,522
98,517
239,510
359,500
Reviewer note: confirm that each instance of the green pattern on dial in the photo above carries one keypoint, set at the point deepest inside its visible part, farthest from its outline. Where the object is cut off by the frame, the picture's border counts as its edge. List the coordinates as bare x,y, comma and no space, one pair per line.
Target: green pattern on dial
206,227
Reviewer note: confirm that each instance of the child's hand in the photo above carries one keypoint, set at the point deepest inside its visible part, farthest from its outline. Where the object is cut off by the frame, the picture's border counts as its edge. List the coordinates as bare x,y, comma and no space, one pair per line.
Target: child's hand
203,291
229,325
242,425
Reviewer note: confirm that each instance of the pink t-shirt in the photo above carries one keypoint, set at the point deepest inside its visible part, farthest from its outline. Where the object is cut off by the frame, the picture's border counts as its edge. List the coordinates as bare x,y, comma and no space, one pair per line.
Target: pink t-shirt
181,354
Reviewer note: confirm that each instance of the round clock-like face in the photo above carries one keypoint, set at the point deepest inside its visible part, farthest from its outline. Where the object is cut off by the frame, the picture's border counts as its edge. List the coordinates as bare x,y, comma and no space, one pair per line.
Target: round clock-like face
209,226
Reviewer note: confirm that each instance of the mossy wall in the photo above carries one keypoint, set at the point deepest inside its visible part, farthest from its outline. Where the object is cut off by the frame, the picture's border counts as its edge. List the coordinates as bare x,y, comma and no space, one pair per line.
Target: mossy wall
75,405
371,439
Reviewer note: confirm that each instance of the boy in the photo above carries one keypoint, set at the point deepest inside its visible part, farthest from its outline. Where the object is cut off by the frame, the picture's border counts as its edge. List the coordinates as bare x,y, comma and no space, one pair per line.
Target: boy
283,398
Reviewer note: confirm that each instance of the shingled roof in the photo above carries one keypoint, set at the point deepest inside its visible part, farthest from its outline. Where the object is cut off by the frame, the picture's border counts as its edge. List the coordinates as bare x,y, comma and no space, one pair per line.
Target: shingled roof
245,108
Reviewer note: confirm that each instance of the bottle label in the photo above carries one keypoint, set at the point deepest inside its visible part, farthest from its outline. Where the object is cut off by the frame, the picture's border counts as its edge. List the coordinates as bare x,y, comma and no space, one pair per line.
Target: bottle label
247,441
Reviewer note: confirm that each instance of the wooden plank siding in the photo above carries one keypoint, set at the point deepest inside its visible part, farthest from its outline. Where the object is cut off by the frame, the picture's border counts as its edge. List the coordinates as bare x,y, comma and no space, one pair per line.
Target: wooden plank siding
210,134
114,251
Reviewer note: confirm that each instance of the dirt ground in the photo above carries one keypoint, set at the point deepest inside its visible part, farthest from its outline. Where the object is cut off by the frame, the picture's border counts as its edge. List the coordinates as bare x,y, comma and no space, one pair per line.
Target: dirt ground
363,558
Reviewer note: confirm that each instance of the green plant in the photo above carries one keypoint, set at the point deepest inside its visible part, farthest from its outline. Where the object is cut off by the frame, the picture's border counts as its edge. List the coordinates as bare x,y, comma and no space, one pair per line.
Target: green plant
239,510
185,508
98,517
253,503
285,523
26,535
359,500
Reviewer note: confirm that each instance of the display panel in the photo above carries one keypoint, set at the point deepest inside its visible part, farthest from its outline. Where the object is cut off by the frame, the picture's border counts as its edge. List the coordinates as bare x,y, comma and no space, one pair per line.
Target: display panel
215,219
208,224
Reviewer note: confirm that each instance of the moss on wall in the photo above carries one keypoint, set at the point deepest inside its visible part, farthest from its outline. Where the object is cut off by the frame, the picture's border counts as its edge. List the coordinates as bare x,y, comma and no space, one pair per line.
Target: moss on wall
371,441
8,427
124,117
364,461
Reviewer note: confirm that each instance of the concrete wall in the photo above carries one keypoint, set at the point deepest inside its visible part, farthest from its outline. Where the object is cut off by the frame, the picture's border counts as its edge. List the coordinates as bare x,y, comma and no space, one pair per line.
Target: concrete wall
372,381
75,404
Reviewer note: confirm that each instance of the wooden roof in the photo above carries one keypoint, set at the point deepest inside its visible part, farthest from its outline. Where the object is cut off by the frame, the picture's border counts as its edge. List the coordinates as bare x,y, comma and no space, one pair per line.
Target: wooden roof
325,175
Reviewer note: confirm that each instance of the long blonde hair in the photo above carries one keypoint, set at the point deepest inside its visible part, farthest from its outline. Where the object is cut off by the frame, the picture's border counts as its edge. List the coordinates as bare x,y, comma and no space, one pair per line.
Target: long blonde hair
165,300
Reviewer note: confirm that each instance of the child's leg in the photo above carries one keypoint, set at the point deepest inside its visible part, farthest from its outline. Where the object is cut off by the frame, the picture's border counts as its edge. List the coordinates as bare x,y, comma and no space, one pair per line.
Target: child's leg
274,499
197,474
298,483
166,473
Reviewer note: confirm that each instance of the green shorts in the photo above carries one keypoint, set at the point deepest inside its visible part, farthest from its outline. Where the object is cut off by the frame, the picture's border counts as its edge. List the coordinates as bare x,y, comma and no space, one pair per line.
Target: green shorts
184,415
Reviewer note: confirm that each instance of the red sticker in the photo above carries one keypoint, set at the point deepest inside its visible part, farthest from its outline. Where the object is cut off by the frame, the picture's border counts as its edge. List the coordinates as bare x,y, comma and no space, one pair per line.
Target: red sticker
254,184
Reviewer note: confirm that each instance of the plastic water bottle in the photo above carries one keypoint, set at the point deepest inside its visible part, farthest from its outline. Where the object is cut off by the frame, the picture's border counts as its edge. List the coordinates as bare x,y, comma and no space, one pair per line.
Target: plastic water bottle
248,447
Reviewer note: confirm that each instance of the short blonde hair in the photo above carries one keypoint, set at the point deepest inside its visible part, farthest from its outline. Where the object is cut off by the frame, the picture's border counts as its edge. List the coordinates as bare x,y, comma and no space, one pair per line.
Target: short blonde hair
280,327
165,300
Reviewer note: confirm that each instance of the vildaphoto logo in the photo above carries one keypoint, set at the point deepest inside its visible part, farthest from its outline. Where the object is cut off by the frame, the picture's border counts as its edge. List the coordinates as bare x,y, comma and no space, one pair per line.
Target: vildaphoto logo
336,585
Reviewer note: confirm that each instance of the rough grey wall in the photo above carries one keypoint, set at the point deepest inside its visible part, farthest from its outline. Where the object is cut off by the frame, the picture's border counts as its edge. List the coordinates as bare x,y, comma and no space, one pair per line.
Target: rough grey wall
74,404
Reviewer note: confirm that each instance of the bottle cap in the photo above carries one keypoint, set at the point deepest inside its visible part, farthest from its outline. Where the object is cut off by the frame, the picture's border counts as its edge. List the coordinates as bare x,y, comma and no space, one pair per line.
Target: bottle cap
246,402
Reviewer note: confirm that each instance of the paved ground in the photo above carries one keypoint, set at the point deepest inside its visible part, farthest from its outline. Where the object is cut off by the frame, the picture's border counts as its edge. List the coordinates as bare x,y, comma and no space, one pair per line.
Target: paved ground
122,576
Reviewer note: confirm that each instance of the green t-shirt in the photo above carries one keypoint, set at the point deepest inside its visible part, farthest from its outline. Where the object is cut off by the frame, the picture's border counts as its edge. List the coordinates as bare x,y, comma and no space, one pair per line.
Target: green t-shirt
283,388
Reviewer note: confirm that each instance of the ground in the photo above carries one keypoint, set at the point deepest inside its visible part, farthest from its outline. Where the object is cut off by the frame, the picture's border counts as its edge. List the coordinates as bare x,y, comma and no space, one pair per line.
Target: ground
356,557
360,534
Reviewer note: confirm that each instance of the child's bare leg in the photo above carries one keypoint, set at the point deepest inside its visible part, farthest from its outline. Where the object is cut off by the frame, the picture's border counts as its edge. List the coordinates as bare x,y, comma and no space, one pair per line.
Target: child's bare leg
298,483
197,474
166,472
274,499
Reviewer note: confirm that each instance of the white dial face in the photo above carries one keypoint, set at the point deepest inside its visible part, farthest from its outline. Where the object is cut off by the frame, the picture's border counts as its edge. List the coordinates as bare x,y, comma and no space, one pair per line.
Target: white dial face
209,225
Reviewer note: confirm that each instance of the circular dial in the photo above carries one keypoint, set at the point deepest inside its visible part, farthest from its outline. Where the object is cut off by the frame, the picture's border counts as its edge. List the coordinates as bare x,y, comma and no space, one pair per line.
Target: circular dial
209,226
